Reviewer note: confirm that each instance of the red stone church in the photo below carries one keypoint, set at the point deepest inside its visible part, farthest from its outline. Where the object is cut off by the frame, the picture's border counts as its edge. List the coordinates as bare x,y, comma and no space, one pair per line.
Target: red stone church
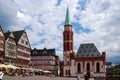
87,61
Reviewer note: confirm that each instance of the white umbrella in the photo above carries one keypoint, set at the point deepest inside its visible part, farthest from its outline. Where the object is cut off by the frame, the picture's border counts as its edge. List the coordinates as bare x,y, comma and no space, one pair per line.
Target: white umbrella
3,66
12,66
46,71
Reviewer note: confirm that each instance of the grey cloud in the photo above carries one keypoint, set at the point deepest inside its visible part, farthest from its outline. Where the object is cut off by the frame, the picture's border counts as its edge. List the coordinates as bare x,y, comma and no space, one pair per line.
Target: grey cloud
7,14
107,27
105,5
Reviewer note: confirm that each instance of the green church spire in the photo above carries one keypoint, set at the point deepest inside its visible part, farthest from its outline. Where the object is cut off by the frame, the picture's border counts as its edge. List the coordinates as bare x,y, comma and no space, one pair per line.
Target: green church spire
67,19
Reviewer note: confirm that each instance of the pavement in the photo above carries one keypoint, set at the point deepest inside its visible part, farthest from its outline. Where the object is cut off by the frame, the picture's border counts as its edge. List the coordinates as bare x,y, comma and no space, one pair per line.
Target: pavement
38,78
35,78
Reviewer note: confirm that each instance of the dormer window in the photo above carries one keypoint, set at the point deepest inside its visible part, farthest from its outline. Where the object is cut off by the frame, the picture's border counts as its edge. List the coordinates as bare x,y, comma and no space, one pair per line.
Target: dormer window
84,50
89,50
80,51
94,50
97,54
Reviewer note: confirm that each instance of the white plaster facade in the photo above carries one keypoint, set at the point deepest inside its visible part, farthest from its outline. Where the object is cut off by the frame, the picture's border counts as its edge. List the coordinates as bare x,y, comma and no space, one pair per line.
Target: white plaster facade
93,72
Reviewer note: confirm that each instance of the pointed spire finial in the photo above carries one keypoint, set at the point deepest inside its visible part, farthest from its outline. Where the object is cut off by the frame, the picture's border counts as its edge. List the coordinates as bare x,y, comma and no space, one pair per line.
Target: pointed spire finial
67,19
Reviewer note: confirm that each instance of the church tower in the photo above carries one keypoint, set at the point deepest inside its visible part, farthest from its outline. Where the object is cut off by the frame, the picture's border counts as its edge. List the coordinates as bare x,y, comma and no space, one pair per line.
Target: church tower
67,41
88,60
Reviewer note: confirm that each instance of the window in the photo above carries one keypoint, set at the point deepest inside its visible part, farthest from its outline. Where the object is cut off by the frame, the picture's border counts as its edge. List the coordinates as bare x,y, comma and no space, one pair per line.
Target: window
11,46
80,51
71,46
68,36
67,46
66,72
22,41
78,68
89,50
84,50
98,67
88,67
26,43
67,62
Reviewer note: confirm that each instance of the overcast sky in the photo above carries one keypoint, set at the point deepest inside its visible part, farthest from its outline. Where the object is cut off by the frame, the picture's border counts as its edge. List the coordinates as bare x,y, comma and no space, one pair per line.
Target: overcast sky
93,21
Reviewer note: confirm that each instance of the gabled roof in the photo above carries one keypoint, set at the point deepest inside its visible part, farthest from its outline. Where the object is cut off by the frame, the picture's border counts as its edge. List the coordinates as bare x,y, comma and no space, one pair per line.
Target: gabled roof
43,52
88,50
6,35
18,34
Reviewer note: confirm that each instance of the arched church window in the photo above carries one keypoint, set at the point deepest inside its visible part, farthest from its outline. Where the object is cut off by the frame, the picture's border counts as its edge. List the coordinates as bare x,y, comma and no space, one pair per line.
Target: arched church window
68,45
66,72
71,46
88,67
78,67
98,67
67,62
67,36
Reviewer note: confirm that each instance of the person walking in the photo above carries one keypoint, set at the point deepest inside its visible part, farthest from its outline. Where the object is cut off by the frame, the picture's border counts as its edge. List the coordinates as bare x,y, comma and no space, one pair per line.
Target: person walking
78,77
1,74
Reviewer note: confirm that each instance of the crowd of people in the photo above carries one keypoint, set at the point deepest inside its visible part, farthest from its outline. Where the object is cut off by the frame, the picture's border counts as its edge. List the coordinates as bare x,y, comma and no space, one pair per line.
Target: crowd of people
23,73
16,72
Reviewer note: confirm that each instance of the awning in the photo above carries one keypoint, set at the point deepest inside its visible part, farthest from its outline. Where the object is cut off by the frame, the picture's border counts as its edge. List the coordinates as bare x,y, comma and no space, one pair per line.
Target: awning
12,66
47,71
3,66
32,69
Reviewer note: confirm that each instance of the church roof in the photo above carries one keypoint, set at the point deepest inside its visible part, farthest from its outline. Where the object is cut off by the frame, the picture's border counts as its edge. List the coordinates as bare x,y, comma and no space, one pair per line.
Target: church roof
67,19
88,50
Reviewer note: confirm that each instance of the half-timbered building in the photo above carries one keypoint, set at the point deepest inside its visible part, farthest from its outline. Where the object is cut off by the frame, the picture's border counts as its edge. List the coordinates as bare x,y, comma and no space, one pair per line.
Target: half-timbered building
45,59
23,48
10,49
1,44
